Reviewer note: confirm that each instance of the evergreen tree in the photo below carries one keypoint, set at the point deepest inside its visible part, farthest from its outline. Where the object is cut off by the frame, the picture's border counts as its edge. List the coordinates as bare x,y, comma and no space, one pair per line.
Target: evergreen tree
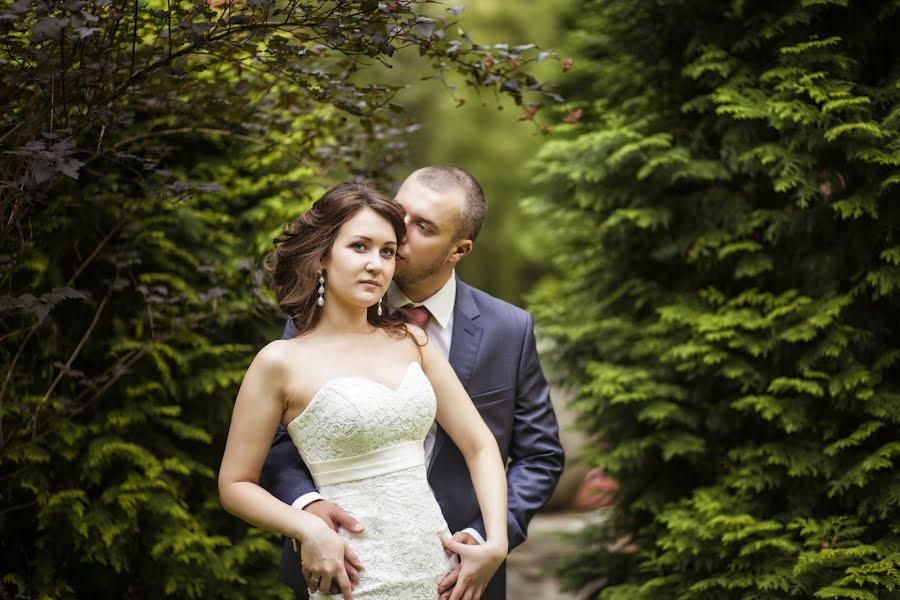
724,225
151,150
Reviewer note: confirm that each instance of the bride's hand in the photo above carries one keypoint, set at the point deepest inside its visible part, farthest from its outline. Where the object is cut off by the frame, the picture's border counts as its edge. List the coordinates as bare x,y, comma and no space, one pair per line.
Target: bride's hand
322,556
478,563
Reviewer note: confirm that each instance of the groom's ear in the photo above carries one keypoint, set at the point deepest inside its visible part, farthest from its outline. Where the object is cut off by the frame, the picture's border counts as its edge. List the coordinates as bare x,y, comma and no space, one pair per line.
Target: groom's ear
460,249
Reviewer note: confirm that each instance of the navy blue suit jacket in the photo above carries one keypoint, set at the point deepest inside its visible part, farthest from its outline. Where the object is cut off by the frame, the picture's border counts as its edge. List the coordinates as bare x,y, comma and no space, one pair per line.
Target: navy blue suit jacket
493,352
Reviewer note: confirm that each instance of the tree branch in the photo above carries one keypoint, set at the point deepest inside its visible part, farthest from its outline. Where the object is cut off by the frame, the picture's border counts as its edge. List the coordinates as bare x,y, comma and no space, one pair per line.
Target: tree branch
34,327
68,365
206,131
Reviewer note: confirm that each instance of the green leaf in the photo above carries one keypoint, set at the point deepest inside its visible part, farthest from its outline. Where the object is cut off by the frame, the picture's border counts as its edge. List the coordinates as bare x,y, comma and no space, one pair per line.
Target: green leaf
868,128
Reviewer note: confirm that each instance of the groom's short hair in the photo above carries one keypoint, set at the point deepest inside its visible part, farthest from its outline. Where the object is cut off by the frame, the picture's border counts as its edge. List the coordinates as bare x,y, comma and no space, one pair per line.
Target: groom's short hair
443,178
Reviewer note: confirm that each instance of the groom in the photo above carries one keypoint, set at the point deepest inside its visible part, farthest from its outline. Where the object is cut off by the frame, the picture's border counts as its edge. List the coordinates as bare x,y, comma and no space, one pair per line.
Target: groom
490,345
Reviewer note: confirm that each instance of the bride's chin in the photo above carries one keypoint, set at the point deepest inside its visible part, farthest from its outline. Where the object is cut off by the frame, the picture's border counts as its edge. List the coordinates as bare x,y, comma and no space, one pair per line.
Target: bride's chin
351,301
365,304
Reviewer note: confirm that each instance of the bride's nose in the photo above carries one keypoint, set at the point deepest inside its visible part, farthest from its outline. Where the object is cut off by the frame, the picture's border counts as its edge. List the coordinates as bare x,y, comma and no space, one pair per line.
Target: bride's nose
373,267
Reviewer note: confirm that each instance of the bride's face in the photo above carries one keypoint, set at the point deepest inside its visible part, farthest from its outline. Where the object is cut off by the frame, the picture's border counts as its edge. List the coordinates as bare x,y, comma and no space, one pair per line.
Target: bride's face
360,264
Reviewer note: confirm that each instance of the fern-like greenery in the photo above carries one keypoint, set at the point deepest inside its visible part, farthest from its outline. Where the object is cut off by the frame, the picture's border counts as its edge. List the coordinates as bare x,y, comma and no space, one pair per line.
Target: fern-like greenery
724,225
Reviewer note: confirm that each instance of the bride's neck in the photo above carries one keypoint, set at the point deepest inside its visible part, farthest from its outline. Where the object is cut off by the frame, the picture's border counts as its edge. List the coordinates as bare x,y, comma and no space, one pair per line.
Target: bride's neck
343,319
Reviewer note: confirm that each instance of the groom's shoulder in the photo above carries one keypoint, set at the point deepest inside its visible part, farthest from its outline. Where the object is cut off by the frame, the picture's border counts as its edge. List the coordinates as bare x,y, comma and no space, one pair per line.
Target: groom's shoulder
495,308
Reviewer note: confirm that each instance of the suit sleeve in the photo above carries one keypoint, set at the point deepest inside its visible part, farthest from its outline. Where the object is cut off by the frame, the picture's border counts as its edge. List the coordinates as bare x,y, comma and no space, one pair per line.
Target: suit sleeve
536,455
284,475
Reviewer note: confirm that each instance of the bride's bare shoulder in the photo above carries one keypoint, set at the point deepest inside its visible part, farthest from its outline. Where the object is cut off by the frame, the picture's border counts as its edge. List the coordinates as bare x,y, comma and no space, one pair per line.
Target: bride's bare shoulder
279,354
416,335
412,343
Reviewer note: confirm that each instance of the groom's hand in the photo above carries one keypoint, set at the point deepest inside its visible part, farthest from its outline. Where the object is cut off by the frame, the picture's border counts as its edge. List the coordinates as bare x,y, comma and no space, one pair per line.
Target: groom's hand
336,517
445,587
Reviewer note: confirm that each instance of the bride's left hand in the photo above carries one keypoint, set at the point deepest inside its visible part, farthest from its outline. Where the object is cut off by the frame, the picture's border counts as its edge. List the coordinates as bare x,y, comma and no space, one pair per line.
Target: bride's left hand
478,563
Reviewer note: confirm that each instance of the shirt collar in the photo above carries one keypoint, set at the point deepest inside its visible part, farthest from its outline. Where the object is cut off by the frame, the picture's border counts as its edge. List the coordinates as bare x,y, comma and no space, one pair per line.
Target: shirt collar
440,304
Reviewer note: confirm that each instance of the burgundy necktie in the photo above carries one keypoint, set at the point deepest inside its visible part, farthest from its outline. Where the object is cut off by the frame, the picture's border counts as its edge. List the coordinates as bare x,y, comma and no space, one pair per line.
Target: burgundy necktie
416,314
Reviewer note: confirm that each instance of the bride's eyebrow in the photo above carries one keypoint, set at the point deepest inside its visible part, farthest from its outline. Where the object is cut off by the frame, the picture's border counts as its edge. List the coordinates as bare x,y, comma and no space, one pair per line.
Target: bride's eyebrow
366,238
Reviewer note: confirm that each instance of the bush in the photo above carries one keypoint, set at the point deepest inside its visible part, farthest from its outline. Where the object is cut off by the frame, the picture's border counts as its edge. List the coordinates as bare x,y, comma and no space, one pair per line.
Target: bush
724,225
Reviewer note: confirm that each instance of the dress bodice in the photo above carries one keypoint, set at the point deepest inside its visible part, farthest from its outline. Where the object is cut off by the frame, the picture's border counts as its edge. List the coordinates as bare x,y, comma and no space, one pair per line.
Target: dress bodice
355,416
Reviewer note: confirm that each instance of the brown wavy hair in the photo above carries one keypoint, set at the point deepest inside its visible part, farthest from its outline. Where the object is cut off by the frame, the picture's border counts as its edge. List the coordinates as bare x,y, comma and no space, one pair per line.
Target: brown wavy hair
293,268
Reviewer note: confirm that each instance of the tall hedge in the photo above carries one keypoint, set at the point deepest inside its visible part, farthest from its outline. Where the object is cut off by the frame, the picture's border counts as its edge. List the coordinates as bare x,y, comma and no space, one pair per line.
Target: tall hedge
725,228
149,151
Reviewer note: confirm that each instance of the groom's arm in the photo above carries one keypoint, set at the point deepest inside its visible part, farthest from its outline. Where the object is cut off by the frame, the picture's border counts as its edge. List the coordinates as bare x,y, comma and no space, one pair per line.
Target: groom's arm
284,475
536,455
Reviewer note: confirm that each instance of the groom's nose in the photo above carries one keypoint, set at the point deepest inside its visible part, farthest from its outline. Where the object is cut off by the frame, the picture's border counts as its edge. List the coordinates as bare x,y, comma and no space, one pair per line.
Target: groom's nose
408,222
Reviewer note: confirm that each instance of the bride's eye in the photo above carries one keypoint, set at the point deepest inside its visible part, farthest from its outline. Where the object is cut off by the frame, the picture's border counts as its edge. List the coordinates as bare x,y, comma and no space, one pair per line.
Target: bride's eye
388,251
359,246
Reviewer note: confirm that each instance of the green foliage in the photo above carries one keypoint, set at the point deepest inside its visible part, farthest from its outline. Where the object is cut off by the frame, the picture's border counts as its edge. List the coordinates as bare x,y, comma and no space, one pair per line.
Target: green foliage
488,135
723,222
151,151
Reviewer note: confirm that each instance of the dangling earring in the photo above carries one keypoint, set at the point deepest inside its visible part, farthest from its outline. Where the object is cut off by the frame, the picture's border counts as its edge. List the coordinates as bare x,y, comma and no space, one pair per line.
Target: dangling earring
321,300
380,312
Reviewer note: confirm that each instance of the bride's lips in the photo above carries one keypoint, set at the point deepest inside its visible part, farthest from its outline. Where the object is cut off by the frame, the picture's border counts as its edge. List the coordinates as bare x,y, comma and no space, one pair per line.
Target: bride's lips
370,282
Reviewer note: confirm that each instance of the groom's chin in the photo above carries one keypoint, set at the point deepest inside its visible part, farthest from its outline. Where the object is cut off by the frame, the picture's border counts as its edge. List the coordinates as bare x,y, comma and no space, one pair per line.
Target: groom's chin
399,278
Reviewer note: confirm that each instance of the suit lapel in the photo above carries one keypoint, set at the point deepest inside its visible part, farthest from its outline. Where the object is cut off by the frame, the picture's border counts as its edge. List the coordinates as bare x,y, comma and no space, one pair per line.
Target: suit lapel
463,348
466,334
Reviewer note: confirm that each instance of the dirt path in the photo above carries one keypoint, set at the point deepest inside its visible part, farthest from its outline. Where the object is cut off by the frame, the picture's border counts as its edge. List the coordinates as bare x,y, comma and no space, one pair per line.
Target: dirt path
528,564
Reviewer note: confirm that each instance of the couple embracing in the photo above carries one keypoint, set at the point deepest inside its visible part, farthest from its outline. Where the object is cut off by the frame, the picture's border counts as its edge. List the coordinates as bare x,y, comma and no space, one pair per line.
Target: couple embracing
408,405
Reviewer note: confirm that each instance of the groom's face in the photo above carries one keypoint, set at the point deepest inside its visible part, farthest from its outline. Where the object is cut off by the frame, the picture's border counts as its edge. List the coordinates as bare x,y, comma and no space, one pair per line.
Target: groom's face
432,221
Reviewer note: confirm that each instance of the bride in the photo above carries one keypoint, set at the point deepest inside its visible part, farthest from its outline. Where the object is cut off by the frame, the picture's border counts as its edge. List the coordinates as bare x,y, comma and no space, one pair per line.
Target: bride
358,390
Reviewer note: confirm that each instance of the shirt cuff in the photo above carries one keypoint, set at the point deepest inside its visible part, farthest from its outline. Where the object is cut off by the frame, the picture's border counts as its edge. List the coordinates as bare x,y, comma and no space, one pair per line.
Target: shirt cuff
474,534
307,499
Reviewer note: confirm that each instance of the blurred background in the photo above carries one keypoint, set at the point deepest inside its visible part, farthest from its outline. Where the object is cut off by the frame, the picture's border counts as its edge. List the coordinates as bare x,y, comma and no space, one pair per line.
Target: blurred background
481,132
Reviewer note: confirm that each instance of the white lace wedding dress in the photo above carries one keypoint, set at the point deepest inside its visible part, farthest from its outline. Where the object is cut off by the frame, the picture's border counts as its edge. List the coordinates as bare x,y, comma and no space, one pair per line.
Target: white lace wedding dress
362,442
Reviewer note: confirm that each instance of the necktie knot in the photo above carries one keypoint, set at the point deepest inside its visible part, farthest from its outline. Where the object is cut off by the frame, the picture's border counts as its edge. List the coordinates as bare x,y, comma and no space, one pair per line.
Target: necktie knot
416,314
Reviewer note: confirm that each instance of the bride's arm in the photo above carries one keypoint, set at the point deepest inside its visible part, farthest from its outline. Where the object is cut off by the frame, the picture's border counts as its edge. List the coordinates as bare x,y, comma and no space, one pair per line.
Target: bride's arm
257,411
462,422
